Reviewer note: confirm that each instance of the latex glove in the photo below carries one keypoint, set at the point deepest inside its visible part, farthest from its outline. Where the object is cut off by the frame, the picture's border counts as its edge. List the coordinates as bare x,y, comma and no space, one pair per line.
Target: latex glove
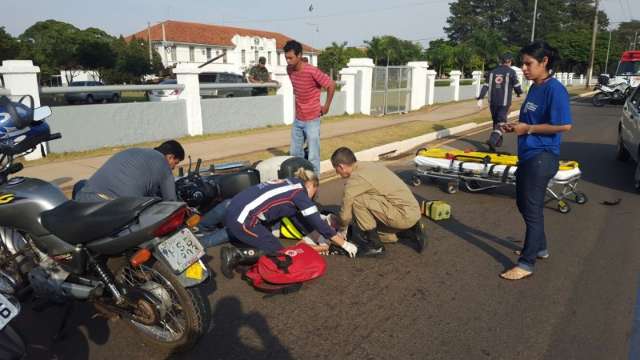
350,248
480,103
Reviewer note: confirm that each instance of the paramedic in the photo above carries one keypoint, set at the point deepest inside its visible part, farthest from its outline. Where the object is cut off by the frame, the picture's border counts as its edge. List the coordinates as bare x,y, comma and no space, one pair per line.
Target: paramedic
499,84
544,116
379,202
252,211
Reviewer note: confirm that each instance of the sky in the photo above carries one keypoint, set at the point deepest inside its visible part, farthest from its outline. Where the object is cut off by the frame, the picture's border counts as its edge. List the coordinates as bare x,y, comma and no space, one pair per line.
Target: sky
315,22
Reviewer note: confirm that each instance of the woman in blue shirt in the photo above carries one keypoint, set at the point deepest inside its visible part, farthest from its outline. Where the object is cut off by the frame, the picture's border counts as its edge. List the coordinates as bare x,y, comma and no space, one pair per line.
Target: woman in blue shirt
544,116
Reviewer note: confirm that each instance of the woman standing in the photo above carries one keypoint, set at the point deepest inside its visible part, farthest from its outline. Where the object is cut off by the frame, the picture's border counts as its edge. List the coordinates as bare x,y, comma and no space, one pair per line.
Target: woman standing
544,116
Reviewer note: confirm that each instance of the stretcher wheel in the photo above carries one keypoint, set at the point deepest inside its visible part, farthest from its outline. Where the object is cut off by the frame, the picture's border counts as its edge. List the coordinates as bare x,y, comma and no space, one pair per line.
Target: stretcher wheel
451,188
416,181
563,207
581,198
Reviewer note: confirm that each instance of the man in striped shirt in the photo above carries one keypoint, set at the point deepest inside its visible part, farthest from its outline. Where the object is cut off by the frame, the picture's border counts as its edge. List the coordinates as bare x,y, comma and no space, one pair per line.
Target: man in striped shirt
307,80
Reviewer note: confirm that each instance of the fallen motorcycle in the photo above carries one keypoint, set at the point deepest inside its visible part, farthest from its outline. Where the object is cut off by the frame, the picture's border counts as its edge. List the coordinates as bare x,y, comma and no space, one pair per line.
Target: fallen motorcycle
133,258
613,91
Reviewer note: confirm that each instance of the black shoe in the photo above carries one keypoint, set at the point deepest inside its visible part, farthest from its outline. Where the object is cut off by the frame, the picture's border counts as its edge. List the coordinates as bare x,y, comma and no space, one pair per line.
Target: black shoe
420,234
367,251
229,259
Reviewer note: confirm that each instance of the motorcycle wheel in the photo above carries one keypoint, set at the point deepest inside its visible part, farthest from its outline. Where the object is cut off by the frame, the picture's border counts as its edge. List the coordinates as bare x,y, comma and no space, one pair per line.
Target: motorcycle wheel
186,311
599,99
11,345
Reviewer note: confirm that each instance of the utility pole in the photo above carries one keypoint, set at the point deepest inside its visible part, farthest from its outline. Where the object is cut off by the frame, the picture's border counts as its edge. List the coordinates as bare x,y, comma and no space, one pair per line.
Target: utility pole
149,41
533,23
606,64
635,40
593,45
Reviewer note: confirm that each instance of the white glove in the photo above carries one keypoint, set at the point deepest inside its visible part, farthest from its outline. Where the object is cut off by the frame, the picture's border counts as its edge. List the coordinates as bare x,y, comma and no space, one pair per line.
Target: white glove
350,248
480,103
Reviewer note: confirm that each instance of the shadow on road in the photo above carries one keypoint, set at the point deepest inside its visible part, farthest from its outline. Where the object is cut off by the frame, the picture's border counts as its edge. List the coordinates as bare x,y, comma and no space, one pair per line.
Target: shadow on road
230,326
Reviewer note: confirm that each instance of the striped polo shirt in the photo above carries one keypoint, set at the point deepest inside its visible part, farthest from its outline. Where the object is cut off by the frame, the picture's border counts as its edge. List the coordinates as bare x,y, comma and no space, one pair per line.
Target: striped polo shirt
306,88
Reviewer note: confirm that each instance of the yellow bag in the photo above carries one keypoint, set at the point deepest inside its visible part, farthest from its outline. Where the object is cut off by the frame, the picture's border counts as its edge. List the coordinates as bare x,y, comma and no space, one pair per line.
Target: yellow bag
436,210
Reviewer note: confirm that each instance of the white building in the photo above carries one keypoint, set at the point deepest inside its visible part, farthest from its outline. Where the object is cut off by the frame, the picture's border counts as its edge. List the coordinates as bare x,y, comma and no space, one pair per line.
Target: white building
186,42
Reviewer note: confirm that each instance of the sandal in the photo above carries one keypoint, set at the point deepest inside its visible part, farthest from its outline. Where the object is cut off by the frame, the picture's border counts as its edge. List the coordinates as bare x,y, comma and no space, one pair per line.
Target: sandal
516,273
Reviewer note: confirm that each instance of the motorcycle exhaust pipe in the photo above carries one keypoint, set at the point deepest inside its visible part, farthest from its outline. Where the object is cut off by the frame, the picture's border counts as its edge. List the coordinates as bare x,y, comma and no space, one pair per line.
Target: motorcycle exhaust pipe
78,291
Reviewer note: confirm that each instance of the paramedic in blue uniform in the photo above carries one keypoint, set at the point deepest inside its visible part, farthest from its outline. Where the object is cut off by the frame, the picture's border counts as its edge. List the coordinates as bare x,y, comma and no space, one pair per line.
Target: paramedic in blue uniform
252,211
544,116
499,85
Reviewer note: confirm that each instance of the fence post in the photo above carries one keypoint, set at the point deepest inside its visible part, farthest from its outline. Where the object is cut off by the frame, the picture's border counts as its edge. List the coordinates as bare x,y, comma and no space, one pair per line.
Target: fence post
455,83
431,86
349,77
571,75
286,90
21,78
187,74
581,79
477,81
364,66
418,83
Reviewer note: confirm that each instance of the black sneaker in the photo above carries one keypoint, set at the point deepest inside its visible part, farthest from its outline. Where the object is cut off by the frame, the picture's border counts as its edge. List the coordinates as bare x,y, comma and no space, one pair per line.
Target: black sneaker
420,234
228,260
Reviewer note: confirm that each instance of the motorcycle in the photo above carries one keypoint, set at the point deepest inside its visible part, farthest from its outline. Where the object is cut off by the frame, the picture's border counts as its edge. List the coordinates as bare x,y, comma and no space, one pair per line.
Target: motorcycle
132,258
11,345
614,90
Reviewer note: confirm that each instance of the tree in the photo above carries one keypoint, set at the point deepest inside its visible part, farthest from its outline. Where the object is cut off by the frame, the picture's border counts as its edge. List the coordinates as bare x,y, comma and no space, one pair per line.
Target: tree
489,46
132,61
441,55
389,50
9,47
335,57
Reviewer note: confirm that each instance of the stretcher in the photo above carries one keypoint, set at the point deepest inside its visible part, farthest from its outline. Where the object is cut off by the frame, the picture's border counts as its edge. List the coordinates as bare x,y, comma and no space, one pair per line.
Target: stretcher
479,171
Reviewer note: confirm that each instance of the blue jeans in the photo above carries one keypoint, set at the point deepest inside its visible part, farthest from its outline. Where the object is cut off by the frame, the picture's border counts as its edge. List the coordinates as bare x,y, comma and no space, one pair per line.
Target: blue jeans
210,235
532,178
310,131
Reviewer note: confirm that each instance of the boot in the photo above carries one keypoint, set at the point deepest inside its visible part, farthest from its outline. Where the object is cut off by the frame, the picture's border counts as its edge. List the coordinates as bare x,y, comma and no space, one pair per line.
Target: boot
418,234
373,246
231,257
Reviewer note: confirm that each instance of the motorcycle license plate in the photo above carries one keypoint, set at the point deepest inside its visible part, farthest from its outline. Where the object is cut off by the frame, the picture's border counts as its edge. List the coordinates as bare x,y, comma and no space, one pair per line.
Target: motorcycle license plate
7,311
181,250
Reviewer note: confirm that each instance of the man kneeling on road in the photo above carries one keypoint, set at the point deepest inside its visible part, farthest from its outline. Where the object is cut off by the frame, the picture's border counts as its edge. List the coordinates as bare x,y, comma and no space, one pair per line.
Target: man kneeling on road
380,204
140,172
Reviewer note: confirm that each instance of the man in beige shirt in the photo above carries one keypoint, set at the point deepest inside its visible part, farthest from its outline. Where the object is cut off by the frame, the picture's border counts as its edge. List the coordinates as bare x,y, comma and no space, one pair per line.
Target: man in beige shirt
378,202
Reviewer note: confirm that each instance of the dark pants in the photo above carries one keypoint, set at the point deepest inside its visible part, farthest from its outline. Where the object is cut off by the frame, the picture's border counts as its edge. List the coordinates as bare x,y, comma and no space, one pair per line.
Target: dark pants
257,236
498,114
532,178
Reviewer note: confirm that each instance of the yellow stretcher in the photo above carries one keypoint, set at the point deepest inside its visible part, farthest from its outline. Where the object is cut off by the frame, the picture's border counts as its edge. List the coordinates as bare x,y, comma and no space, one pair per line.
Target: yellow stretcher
479,171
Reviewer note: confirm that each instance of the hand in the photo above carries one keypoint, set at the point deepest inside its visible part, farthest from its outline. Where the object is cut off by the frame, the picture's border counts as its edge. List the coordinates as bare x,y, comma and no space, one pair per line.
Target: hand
521,128
479,103
506,127
350,248
324,110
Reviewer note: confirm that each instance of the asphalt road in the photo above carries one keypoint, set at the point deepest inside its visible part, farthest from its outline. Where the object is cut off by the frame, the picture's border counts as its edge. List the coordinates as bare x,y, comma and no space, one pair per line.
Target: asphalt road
447,303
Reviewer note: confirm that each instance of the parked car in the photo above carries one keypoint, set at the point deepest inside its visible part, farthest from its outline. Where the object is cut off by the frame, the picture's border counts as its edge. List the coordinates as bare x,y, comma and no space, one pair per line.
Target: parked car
223,78
91,97
629,133
164,95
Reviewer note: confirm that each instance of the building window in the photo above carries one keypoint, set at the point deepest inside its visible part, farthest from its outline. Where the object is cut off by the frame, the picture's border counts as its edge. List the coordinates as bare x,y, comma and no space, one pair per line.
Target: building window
279,62
269,57
192,54
256,56
208,53
244,57
174,53
224,57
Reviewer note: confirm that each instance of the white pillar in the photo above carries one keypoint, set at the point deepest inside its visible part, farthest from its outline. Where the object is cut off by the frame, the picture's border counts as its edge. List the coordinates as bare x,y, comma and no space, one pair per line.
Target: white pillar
364,66
418,83
455,83
187,74
431,85
477,81
520,76
349,76
286,90
571,75
581,79
21,78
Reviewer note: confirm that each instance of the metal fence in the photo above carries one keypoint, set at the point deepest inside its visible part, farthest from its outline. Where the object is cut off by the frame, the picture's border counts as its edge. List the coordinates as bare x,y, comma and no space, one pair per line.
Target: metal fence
391,90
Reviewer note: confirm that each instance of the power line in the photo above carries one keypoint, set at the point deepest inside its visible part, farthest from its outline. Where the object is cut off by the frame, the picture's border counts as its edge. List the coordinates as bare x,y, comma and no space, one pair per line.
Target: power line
340,14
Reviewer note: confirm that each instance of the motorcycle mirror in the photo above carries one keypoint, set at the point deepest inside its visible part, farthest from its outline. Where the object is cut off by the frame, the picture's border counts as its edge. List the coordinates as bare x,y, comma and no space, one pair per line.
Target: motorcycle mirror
41,113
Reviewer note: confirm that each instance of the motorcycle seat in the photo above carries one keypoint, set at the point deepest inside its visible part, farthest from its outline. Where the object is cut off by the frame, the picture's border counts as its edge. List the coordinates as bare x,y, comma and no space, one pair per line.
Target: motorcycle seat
79,222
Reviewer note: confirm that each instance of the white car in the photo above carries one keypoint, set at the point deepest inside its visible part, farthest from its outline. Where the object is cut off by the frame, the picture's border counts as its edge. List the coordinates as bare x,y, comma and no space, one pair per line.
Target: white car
629,133
165,95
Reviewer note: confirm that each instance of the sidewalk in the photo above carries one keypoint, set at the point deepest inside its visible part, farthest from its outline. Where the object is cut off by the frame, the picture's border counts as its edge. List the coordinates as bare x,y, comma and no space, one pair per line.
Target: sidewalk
66,173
